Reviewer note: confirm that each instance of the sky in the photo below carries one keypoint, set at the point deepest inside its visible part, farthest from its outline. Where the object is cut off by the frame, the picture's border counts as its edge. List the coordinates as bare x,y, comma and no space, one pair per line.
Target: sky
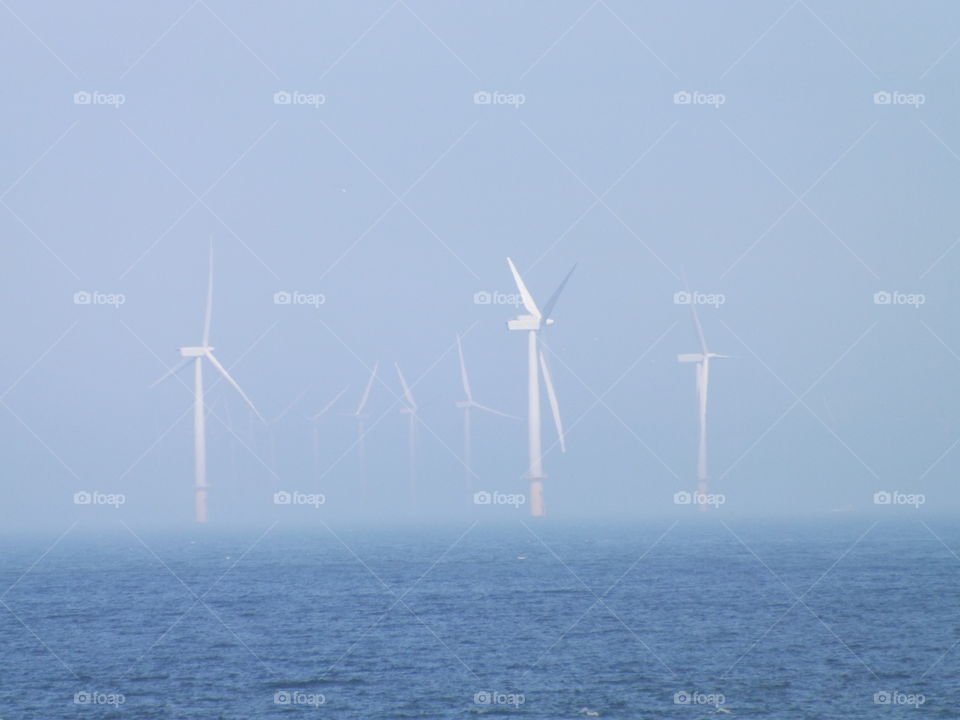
783,161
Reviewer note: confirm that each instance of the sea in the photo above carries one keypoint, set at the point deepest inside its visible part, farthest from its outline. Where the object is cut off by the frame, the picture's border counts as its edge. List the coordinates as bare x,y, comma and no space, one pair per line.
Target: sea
692,617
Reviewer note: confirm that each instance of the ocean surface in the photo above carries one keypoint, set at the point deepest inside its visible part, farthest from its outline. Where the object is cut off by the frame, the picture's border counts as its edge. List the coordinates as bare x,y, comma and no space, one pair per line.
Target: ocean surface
846,617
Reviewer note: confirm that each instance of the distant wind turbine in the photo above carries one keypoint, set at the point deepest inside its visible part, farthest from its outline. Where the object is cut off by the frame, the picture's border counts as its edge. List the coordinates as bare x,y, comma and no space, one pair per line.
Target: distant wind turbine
196,354
359,416
702,359
410,410
534,322
316,428
277,418
467,403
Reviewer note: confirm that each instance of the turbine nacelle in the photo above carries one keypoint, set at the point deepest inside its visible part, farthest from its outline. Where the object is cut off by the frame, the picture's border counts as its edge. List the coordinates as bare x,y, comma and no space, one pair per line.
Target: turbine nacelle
527,322
195,351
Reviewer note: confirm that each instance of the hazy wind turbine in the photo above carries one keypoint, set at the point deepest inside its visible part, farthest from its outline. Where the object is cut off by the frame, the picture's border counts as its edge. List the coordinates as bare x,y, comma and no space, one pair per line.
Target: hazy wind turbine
316,428
467,403
274,420
410,410
534,322
702,359
196,354
360,417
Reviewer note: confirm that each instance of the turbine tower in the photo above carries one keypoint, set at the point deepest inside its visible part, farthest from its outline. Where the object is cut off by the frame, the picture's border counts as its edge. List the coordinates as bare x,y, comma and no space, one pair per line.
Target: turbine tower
316,428
467,403
197,354
359,416
410,410
702,359
534,322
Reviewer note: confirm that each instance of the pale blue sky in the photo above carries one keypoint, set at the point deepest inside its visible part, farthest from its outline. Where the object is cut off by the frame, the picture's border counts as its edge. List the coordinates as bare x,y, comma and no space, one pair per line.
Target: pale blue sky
399,198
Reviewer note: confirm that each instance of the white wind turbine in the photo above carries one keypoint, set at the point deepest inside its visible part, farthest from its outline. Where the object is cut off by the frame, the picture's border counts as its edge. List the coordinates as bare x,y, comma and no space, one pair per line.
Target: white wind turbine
410,410
197,354
359,416
316,428
702,359
534,322
467,403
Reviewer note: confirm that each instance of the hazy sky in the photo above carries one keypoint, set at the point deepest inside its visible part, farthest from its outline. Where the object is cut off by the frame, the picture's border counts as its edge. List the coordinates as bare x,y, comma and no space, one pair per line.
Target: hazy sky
785,185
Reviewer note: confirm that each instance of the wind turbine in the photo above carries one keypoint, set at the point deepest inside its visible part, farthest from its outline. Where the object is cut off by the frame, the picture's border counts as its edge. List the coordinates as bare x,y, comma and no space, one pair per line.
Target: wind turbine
274,420
316,429
534,322
410,410
360,417
197,354
467,404
702,359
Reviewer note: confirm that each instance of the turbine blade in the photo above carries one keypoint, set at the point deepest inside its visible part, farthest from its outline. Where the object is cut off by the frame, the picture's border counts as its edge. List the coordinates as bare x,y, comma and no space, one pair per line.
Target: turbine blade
525,295
552,395
406,390
478,406
463,371
548,308
290,407
209,313
171,372
327,406
223,371
696,319
366,392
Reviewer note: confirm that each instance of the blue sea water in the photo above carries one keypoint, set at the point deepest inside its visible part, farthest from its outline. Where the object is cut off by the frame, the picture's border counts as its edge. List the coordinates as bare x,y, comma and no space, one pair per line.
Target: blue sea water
833,618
